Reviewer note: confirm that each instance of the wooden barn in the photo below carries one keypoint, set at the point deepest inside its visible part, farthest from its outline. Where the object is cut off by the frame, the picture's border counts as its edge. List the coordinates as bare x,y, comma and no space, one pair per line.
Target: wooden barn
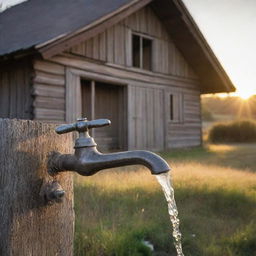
140,63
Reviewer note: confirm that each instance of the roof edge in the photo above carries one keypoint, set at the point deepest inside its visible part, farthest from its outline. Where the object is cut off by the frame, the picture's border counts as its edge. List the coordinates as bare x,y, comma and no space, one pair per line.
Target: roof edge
204,44
63,42
191,43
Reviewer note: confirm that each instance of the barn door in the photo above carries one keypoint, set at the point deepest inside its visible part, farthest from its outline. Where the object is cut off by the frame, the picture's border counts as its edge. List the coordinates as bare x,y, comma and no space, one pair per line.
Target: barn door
105,100
146,118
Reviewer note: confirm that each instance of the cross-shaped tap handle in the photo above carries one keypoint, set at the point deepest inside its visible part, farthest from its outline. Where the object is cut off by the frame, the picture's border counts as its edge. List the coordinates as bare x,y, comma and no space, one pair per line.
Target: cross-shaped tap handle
82,125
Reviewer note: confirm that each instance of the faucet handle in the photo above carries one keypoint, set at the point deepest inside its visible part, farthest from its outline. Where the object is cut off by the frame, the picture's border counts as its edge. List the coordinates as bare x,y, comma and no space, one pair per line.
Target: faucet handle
98,123
82,125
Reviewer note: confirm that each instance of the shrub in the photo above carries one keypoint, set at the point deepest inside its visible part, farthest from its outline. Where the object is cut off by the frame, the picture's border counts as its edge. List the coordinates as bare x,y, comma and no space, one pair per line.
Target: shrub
237,131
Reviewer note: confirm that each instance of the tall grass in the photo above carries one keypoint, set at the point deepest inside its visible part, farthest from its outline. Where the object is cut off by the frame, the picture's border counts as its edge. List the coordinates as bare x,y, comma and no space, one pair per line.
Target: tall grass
117,209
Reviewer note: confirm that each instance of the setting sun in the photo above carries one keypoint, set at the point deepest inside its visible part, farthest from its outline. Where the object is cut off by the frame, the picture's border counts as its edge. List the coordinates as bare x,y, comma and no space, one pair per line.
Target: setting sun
246,93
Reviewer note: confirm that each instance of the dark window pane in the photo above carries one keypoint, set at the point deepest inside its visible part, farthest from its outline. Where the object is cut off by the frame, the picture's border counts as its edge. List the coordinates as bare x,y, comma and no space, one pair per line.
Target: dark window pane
171,107
147,54
135,51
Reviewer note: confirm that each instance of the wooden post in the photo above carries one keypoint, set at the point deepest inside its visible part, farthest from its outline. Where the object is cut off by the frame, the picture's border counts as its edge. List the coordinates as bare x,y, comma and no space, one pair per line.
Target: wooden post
29,226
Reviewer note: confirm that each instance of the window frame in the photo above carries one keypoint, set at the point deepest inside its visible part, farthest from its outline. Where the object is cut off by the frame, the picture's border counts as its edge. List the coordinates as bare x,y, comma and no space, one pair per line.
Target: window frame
175,111
141,37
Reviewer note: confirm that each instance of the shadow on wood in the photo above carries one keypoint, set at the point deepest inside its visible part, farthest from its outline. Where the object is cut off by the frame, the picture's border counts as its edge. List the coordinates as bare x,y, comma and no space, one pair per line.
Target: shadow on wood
28,225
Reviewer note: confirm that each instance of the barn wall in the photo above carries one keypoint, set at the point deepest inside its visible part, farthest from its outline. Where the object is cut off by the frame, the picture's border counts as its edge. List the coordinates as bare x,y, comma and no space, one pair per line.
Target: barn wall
146,117
188,131
15,90
113,46
107,58
148,124
150,127
49,91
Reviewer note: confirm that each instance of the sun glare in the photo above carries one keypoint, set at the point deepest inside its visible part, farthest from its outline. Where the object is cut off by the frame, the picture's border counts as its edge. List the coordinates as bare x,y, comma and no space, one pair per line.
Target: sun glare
245,95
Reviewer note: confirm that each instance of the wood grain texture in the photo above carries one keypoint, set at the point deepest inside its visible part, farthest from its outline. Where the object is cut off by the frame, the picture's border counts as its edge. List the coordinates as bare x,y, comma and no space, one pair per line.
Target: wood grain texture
15,88
186,130
115,44
125,73
146,118
148,124
29,226
46,78
49,91
107,56
73,97
93,29
48,67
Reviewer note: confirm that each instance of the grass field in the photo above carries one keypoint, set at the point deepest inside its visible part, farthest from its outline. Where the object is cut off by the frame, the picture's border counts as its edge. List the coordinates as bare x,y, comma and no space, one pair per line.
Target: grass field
215,189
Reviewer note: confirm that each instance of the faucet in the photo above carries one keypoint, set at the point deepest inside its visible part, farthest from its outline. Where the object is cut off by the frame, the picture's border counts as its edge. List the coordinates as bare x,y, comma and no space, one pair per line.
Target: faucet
87,160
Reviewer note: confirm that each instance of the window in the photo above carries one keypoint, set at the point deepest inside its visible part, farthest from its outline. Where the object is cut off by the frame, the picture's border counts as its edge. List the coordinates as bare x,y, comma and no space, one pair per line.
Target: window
176,107
171,107
141,52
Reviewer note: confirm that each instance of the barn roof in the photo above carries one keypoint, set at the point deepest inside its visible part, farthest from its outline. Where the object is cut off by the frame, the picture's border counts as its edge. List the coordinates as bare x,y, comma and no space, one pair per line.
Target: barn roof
49,27
37,21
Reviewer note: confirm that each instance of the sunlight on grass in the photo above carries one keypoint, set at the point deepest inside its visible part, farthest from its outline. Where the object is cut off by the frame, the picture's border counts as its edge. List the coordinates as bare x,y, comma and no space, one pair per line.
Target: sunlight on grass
120,179
221,148
118,208
212,176
189,174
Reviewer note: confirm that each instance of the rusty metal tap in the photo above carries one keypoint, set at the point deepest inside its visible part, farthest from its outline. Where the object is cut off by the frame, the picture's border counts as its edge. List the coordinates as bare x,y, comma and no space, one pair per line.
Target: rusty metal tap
87,160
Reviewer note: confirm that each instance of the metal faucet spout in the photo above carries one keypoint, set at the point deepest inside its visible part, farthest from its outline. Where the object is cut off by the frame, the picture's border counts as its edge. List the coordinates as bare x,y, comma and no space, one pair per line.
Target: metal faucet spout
88,161
150,160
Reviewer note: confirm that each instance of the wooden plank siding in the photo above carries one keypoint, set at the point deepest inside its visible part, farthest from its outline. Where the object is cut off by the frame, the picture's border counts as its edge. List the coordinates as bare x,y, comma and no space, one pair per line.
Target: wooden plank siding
107,58
146,118
15,90
49,91
113,45
142,84
147,122
187,132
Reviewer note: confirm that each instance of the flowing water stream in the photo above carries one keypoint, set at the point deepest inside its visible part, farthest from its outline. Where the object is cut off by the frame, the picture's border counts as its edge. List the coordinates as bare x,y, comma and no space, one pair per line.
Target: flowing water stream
165,182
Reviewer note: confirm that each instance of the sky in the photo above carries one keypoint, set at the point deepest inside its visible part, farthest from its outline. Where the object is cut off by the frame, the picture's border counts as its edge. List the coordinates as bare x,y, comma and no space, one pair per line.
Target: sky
229,27
6,3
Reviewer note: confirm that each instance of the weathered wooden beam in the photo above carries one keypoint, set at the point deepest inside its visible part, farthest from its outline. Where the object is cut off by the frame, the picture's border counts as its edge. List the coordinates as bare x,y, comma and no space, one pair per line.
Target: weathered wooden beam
51,79
50,91
49,67
124,73
28,225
